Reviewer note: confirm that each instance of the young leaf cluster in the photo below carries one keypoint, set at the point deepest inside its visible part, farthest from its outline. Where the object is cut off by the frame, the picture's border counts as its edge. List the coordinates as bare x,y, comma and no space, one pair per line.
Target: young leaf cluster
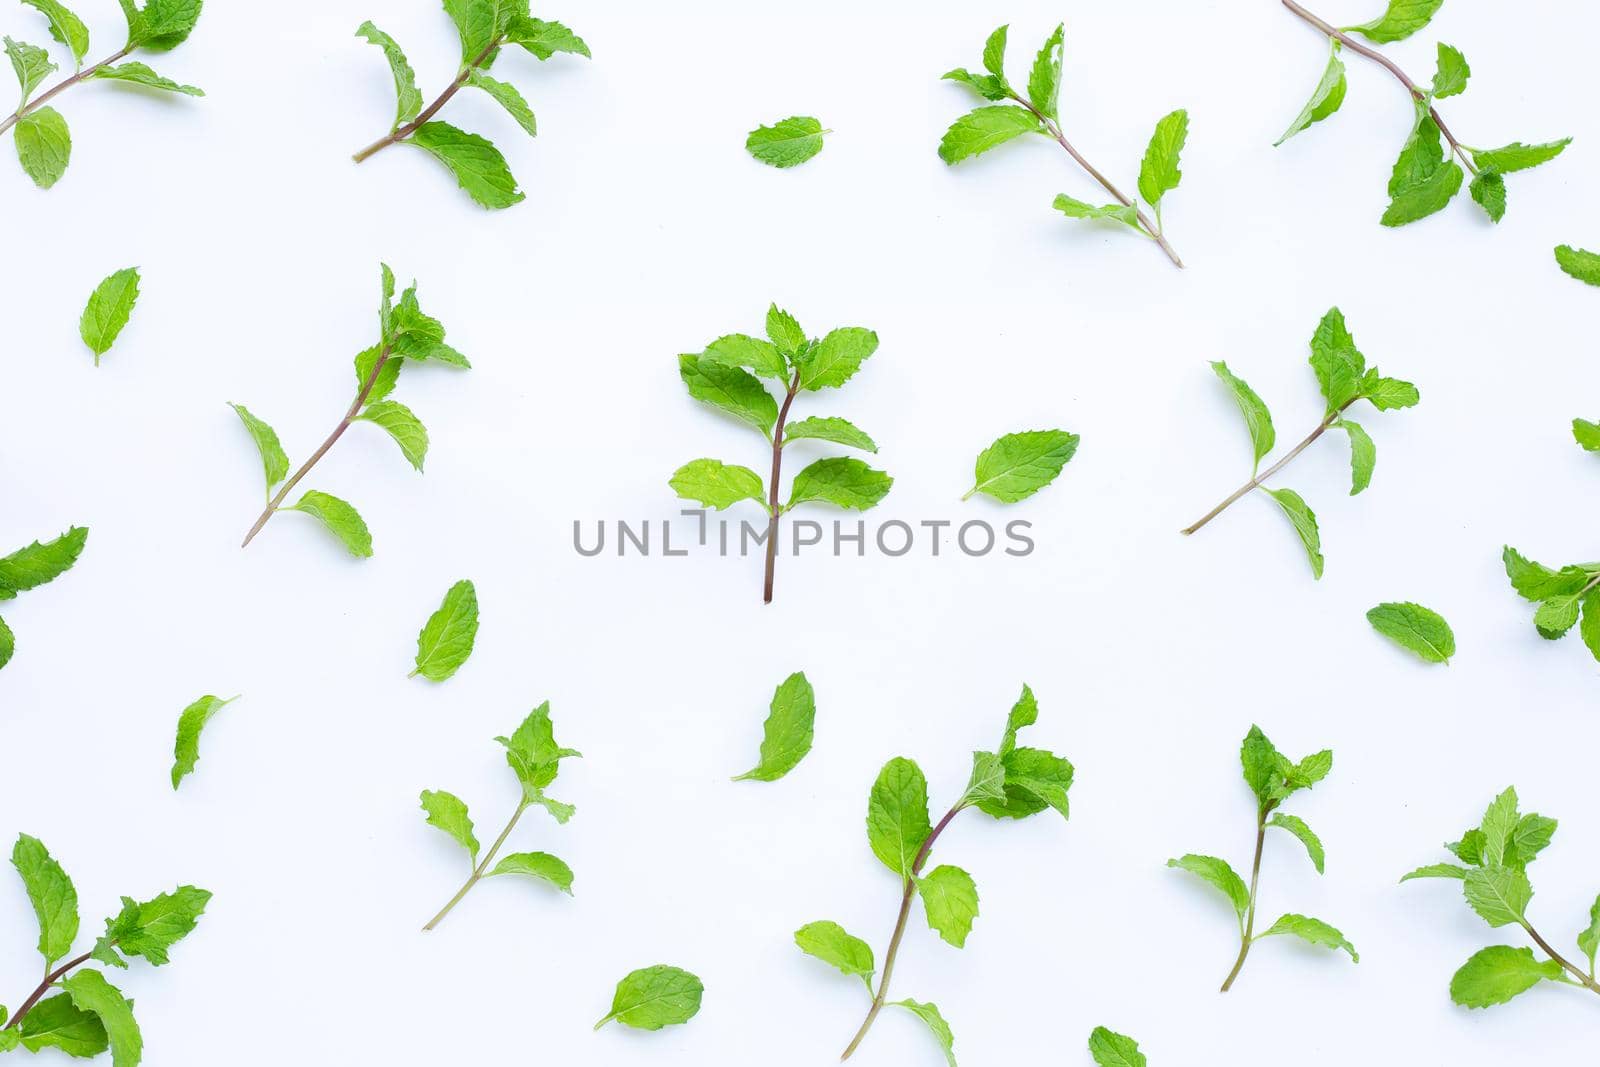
1273,778
1011,782
1425,177
107,311
655,997
1566,597
1493,872
728,376
535,758
485,27
405,332
1344,377
1018,465
33,566
79,1011
43,139
1008,114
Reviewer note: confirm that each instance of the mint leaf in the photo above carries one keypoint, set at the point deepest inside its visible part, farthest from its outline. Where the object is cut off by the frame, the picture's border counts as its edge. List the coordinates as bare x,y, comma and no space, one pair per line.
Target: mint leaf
1158,171
830,943
1451,74
1556,616
1415,627
168,23
44,145
479,23
448,812
540,865
785,332
534,755
653,997
342,520
994,53
1018,465
1388,394
91,992
741,350
841,480
1500,821
1497,974
1422,199
408,98
56,1022
1589,628
544,39
1325,98
447,637
929,1014
151,928
1530,837
1401,20
1044,81
65,27
1314,931
1532,581
716,484
836,358
1304,521
729,389
31,63
1500,895
1489,192
107,311
274,463
950,899
479,167
1257,419
402,425
388,375
1111,1049
787,734
140,74
507,96
1035,780
1589,939
985,85
1518,156
1580,264
8,642
1262,765
40,563
839,431
1126,214
1587,434
1218,873
1336,361
987,127
1363,455
186,749
897,816
1297,826
987,783
1436,870
786,143
50,891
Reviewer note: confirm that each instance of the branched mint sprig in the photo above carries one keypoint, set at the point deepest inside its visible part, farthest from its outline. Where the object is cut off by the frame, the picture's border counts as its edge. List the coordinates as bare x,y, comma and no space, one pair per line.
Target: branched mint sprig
33,566
799,364
1424,180
43,140
1010,783
1494,879
1345,378
1273,778
405,333
485,26
1038,112
78,1011
1561,595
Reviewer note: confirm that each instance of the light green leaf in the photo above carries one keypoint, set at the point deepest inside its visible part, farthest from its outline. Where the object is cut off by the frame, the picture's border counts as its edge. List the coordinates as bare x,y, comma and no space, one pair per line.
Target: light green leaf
65,27
1534,581
477,164
1451,74
388,374
1035,780
1363,455
836,358
987,783
535,758
56,1022
1158,171
716,484
1126,214
107,311
508,97
38,563
929,1014
141,74
1044,81
994,53
1219,874
1336,361
44,145
1580,264
653,997
840,480
478,22
448,812
168,23
1556,616
31,63
1589,939
1325,98
787,734
1304,521
785,332
786,143
1257,419
8,643
91,992
987,127
406,429
1436,870
985,85
545,39
1518,156
1261,764
186,750
1023,713
742,350
151,928
1297,826
342,520
1500,820
1415,627
1401,20
830,943
730,389
1488,190
447,637
274,463
950,899
1388,394
897,815
539,865
50,891
1111,1049
1589,628
1498,973
1018,465
1500,895
1530,837
839,431
1314,931
1426,197
408,98
1587,434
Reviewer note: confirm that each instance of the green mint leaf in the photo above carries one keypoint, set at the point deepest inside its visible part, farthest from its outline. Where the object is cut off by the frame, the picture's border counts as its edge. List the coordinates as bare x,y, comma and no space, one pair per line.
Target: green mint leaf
1401,20
8,643
1451,74
1363,455
535,758
1024,713
1336,361
1219,874
786,736
447,637
785,332
1589,628
1589,939
1437,870
1304,521
545,39
1500,821
1111,1049
987,127
830,943
1298,828
1532,834
1325,98
786,143
32,64
342,520
950,898
1262,764
929,1014
839,431
539,865
1587,434
402,425
56,1022
408,98
1307,773
1498,973
141,74
151,928
729,389
1518,156
1580,264
1044,81
50,891
448,812
186,749
44,145
1388,394
10,1039
1020,464
1035,780
65,27
107,311
987,783
836,358
479,167
1556,616
167,24
994,53
1313,931
479,23
985,85
844,481
508,97
1158,171
1425,197
653,997
1532,581
387,377
741,350
897,815
39,563
1126,214
1470,848
135,17
1500,895
1415,627
91,992
1257,419
1488,190
274,462
716,484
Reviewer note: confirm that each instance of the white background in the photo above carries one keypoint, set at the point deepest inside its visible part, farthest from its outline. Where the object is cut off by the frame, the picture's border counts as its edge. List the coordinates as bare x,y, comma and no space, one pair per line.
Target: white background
647,232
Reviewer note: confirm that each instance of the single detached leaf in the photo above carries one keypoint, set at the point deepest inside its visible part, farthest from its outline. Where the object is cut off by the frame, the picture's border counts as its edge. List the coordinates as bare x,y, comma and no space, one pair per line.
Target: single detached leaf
786,737
44,145
839,431
929,1014
1451,74
408,98
1587,434
836,358
448,812
1304,521
274,462
477,164
1126,214
653,997
447,637
1325,98
1415,627
1257,419
897,815
39,563
1111,1049
342,520
91,992
840,480
1498,973
544,39
1518,156
1580,264
786,143
1297,826
950,899
1436,870
1500,895
507,96
1158,171
833,945
1401,20
1488,190
186,750
729,389
1311,930
1363,454
107,311
56,1022
151,928
715,484
406,429
741,350
140,74
987,127
31,63
1020,464
65,27
1044,81
50,891
1219,874
539,865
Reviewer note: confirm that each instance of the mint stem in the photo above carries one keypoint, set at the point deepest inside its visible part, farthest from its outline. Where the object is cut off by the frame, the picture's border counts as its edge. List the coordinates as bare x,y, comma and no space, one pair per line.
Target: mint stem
1587,981
400,133
338,432
1418,94
900,929
65,83
773,510
478,871
1246,932
50,979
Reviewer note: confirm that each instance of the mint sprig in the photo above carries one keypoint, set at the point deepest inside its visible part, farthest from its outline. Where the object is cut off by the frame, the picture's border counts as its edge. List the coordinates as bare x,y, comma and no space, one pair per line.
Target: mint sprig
485,27
1273,778
33,566
1493,872
1562,595
405,333
1344,377
42,137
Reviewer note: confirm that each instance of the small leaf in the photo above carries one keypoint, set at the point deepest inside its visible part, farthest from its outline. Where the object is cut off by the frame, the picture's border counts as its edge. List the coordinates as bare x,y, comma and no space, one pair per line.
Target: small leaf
1257,419
539,865
730,389
1126,214
994,53
1111,1049
151,928
1556,616
447,637
929,1014
1401,20
1388,394
406,429
836,358
1311,930
897,815
477,164
31,63
789,728
91,992
1532,581
274,463
387,375
1044,81
535,758
186,750
1587,434
1500,895
448,812
1589,628
56,1022
1580,264
1498,973
1518,156
478,22
1297,826
1415,627
167,23
1158,171
8,643
950,899
741,350
1325,98
716,484
1219,874
987,127
1337,362
830,943
39,563
507,96
653,997
107,311
785,332
140,74
1018,465
342,520
840,480
65,27
545,39
1436,870
1363,455
1451,74
839,431
1304,521
786,143
1426,197
1489,191
408,98
44,145
1589,939
50,891
985,85
1500,821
